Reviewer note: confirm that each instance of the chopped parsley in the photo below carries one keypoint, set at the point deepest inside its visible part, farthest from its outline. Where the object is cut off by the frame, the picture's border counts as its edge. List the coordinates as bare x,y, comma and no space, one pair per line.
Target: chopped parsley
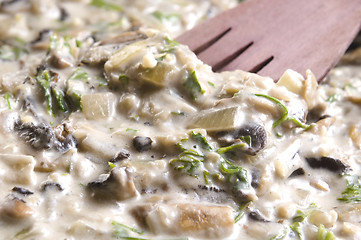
43,78
106,5
333,98
80,74
199,138
352,193
124,80
132,130
284,117
193,86
53,42
111,165
323,234
191,160
296,225
7,99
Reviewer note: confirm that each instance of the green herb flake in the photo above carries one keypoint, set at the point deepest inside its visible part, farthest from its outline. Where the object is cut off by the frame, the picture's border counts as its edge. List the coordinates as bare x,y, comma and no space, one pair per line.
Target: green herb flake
199,138
206,177
189,160
78,43
348,85
111,165
193,85
284,117
43,79
122,231
11,53
124,80
102,82
233,147
80,74
59,97
53,42
178,113
240,212
247,139
352,193
211,84
281,235
333,98
296,228
131,130
166,17
169,47
106,5
7,99
323,234
235,175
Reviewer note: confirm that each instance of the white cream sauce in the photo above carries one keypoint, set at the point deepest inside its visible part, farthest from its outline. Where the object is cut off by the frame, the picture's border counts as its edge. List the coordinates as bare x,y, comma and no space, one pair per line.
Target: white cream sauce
111,130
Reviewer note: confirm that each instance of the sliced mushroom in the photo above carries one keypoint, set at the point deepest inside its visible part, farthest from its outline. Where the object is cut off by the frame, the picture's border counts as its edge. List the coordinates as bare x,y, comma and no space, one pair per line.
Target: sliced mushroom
332,164
22,191
38,136
256,134
256,216
51,185
297,172
142,144
42,41
191,219
15,209
118,185
121,155
41,136
100,52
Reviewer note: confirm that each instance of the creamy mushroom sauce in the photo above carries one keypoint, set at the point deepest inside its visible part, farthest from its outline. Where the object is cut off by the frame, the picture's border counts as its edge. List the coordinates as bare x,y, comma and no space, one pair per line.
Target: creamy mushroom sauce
112,130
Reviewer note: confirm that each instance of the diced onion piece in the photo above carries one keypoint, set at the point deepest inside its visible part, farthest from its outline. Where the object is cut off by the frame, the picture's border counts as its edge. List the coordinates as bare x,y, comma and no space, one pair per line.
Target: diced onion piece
219,120
156,75
292,80
21,167
98,106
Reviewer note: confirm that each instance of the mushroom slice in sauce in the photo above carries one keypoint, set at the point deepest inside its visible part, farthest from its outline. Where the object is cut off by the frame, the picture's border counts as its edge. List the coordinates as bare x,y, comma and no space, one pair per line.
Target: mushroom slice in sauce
253,134
39,136
142,144
22,191
118,185
15,209
190,219
101,51
332,164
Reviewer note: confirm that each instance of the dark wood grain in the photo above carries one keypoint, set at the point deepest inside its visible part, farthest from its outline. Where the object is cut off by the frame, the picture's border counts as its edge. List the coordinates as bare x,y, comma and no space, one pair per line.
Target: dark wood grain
270,36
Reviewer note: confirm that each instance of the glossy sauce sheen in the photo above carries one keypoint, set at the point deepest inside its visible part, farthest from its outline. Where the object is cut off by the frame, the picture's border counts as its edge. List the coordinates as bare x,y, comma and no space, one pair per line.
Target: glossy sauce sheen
109,129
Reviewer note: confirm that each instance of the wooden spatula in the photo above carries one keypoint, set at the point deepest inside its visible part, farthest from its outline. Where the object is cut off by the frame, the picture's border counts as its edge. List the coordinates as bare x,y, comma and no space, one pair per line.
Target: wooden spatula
270,36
